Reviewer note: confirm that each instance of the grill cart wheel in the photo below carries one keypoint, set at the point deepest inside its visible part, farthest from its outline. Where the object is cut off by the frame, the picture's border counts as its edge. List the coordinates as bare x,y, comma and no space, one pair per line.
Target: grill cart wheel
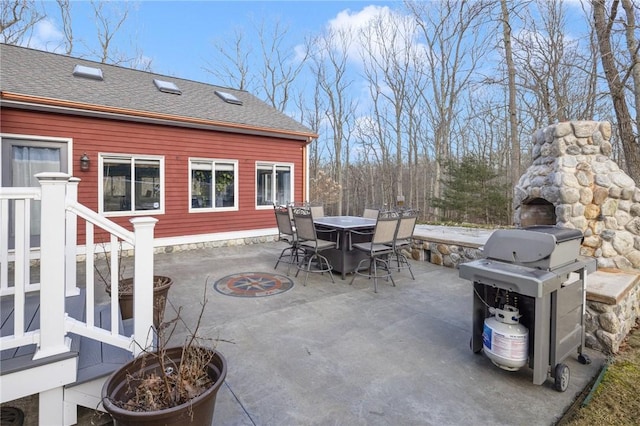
562,377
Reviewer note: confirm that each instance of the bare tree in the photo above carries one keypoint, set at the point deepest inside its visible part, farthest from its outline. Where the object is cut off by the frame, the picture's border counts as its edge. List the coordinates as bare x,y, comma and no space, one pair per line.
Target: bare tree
389,56
514,171
17,20
273,76
631,10
280,66
313,116
108,23
329,66
67,29
232,65
454,47
617,78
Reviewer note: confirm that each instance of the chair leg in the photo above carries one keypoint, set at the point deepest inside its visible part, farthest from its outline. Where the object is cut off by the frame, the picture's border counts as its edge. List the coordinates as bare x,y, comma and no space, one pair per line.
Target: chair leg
323,265
408,266
357,271
375,275
302,263
385,265
283,254
402,262
330,268
372,272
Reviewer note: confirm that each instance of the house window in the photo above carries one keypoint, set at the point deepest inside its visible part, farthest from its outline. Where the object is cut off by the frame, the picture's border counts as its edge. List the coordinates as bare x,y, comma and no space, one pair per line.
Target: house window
131,184
22,157
213,184
274,184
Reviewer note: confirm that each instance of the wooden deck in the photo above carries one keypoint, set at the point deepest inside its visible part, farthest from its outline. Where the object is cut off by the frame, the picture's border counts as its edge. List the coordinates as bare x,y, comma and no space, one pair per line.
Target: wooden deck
96,359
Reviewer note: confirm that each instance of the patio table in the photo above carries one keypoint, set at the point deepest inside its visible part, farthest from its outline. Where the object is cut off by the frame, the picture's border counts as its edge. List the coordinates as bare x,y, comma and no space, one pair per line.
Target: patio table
344,259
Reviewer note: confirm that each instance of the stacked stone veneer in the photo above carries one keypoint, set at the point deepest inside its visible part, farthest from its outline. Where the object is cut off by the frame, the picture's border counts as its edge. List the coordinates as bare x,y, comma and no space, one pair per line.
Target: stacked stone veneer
449,254
572,170
607,323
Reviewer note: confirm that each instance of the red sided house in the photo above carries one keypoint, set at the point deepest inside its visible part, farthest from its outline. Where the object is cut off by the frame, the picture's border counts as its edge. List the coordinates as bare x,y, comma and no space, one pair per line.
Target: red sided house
94,153
204,160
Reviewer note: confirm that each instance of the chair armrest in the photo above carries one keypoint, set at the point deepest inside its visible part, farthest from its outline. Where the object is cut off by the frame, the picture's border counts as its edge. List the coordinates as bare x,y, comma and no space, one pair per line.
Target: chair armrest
353,231
367,232
328,232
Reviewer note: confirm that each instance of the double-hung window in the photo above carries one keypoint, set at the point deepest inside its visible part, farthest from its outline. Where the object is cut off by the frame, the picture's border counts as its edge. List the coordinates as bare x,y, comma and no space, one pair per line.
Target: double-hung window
213,184
131,184
274,184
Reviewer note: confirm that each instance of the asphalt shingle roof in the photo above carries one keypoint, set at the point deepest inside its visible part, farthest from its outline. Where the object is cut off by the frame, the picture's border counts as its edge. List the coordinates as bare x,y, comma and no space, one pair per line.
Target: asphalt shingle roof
37,73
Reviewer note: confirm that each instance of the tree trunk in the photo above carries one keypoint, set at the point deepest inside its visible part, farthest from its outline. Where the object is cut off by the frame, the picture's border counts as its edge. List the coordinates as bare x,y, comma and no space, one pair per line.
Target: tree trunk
630,147
514,170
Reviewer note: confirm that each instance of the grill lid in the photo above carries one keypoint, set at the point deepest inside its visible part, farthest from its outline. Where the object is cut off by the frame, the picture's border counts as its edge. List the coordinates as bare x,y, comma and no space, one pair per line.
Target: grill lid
519,245
537,246
561,234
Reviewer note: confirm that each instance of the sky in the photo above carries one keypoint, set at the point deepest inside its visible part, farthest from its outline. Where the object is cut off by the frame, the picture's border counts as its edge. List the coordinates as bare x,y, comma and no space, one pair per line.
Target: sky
178,36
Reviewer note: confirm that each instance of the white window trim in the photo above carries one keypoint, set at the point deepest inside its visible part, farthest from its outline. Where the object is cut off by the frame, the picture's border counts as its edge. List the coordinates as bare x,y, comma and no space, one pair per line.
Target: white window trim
273,165
163,188
213,208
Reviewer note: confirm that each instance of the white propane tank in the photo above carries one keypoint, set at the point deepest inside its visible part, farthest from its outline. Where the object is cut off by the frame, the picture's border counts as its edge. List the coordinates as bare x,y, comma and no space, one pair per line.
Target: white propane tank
504,340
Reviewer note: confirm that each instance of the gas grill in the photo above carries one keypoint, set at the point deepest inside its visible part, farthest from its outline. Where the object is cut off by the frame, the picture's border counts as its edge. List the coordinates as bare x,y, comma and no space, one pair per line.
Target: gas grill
538,271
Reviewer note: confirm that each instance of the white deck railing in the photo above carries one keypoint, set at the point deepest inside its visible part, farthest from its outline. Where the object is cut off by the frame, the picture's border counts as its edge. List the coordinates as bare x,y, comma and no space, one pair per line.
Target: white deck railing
57,262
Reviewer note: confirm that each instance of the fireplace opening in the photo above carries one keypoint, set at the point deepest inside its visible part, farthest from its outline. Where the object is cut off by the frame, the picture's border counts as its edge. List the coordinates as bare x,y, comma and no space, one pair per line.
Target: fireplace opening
537,211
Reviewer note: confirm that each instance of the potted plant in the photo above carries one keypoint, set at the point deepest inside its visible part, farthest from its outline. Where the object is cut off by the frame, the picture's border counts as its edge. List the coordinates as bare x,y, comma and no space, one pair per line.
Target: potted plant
161,285
171,386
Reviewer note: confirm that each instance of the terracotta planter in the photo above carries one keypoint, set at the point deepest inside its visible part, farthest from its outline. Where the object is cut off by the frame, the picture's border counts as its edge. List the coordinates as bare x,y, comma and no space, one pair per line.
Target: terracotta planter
161,285
197,411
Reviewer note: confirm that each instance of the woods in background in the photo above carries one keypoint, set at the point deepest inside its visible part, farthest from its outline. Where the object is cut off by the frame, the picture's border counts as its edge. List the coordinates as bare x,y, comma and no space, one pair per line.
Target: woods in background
433,102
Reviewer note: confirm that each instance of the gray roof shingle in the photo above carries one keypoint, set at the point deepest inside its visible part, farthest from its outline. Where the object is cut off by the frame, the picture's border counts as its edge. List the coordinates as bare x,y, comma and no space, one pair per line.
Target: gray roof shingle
38,73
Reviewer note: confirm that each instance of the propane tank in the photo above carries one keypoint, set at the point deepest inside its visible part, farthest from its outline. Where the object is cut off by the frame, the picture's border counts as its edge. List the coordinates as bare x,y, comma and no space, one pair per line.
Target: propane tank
504,340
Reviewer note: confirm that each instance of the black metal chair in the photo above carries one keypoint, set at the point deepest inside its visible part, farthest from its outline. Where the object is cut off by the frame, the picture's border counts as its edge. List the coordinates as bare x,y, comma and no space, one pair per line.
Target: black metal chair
312,245
379,249
290,254
403,237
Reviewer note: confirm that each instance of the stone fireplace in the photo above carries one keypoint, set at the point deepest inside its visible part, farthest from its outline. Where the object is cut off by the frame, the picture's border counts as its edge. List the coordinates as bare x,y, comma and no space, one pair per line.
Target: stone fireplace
573,183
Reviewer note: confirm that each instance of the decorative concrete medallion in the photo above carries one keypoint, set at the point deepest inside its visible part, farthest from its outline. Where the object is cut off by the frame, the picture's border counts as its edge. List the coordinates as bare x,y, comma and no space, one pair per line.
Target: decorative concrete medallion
253,284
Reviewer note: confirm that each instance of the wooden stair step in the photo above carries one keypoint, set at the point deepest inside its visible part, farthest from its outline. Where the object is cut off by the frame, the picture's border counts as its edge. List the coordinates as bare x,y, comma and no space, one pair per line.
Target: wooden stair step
99,359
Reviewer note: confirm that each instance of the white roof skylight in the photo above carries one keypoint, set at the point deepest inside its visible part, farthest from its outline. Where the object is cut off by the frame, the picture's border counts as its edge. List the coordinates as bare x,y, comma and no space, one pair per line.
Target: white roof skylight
88,72
167,86
228,97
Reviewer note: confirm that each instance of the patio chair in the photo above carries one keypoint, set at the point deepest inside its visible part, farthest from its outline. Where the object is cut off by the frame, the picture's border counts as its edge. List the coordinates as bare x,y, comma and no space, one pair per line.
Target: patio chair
317,210
402,240
379,249
312,245
370,213
296,204
286,232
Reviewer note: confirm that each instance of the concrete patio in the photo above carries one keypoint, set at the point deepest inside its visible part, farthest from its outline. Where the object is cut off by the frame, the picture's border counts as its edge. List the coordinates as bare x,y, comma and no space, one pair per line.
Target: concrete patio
332,353
339,354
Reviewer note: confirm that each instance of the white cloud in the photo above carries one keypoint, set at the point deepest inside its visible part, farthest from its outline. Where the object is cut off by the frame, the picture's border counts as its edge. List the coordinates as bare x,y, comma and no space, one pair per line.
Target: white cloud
46,36
357,20
374,27
352,23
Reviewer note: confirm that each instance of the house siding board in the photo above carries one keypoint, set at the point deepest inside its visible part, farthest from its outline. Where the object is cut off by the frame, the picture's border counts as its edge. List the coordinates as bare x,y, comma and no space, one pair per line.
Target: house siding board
177,145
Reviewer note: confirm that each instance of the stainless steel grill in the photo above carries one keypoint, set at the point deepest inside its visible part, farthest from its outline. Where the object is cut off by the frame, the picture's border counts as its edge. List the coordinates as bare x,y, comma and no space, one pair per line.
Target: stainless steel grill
539,270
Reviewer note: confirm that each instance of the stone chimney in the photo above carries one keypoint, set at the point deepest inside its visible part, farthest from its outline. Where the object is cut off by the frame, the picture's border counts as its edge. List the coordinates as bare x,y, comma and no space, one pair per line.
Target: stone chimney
573,183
